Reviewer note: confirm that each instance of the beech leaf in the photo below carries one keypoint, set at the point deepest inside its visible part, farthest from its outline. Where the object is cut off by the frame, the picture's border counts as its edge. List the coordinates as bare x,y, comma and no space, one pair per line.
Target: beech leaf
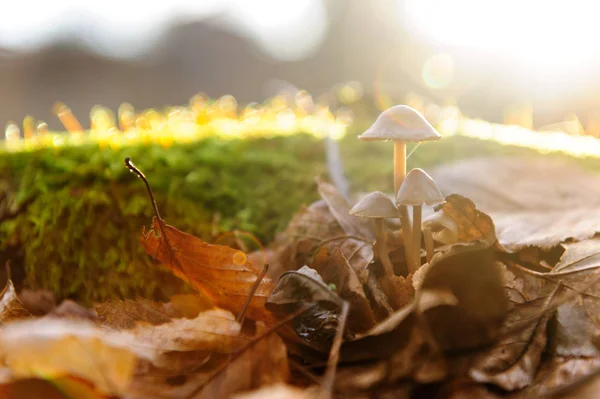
222,273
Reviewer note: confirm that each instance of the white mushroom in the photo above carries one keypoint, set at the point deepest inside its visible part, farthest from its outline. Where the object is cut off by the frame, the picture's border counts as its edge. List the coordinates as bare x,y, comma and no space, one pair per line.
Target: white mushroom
418,189
378,206
400,124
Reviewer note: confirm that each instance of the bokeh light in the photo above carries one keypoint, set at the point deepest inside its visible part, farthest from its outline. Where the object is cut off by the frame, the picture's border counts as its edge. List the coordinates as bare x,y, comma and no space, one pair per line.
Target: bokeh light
552,37
438,71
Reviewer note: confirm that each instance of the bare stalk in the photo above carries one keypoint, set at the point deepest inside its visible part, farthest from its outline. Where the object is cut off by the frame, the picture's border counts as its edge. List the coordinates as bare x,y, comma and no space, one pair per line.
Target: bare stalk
406,236
416,237
428,244
382,249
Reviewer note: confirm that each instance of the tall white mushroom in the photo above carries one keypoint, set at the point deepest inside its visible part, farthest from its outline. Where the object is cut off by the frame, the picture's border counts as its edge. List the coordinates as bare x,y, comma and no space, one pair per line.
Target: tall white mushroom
418,189
400,124
378,206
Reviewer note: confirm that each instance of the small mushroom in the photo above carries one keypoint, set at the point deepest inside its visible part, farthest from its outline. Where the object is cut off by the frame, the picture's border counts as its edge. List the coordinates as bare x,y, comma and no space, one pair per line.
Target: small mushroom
378,206
418,188
400,124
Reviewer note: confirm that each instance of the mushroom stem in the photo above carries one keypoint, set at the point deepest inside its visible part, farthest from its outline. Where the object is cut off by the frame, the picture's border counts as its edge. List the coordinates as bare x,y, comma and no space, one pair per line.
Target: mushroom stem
399,164
428,244
406,236
382,250
416,237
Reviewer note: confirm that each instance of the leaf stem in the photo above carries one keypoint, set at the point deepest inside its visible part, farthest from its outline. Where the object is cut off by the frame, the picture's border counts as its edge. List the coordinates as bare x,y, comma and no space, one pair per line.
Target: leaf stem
240,318
134,169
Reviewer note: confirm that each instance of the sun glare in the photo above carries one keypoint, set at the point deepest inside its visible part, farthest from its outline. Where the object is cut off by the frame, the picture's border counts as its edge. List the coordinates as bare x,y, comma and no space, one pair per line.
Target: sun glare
550,36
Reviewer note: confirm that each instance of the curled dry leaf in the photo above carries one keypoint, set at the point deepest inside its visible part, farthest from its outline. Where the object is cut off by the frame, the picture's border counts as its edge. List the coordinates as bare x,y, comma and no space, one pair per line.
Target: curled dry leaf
11,307
296,289
222,273
457,220
550,201
335,269
55,348
461,300
325,224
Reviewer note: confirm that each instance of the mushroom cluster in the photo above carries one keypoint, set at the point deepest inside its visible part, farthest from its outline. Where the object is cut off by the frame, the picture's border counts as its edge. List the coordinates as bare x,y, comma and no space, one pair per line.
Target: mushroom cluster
401,124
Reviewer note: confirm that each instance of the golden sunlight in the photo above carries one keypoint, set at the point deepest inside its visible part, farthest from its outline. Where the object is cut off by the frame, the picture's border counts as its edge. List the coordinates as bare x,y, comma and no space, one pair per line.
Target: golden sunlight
551,37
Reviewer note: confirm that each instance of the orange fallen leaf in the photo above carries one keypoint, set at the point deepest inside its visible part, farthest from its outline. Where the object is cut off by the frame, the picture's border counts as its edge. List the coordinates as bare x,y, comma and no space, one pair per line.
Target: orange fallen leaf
223,274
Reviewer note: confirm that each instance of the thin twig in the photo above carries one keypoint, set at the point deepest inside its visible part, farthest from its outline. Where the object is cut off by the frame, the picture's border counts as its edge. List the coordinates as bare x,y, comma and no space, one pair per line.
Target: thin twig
304,371
334,354
255,286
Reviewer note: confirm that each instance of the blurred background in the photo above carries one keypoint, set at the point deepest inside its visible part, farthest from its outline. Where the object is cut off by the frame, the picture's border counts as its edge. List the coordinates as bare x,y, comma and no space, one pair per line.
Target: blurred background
533,63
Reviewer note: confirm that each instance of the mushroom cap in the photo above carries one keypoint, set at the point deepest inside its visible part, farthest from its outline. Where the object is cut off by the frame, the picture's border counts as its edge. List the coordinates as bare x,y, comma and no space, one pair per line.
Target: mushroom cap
375,205
418,188
400,122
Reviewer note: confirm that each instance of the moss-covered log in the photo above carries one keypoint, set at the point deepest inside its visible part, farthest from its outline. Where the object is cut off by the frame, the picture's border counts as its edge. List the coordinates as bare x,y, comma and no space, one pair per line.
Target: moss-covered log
71,217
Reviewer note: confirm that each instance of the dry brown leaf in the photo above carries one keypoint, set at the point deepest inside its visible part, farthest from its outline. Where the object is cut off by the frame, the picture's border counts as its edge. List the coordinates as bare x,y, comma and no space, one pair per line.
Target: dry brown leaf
340,209
317,227
73,310
212,330
459,216
561,373
37,302
222,273
264,363
11,307
399,290
577,320
513,362
388,337
334,268
59,388
462,299
55,348
550,201
126,314
297,289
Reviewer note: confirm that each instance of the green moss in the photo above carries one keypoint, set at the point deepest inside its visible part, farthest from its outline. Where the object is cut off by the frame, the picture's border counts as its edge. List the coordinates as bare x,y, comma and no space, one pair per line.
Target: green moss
78,234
